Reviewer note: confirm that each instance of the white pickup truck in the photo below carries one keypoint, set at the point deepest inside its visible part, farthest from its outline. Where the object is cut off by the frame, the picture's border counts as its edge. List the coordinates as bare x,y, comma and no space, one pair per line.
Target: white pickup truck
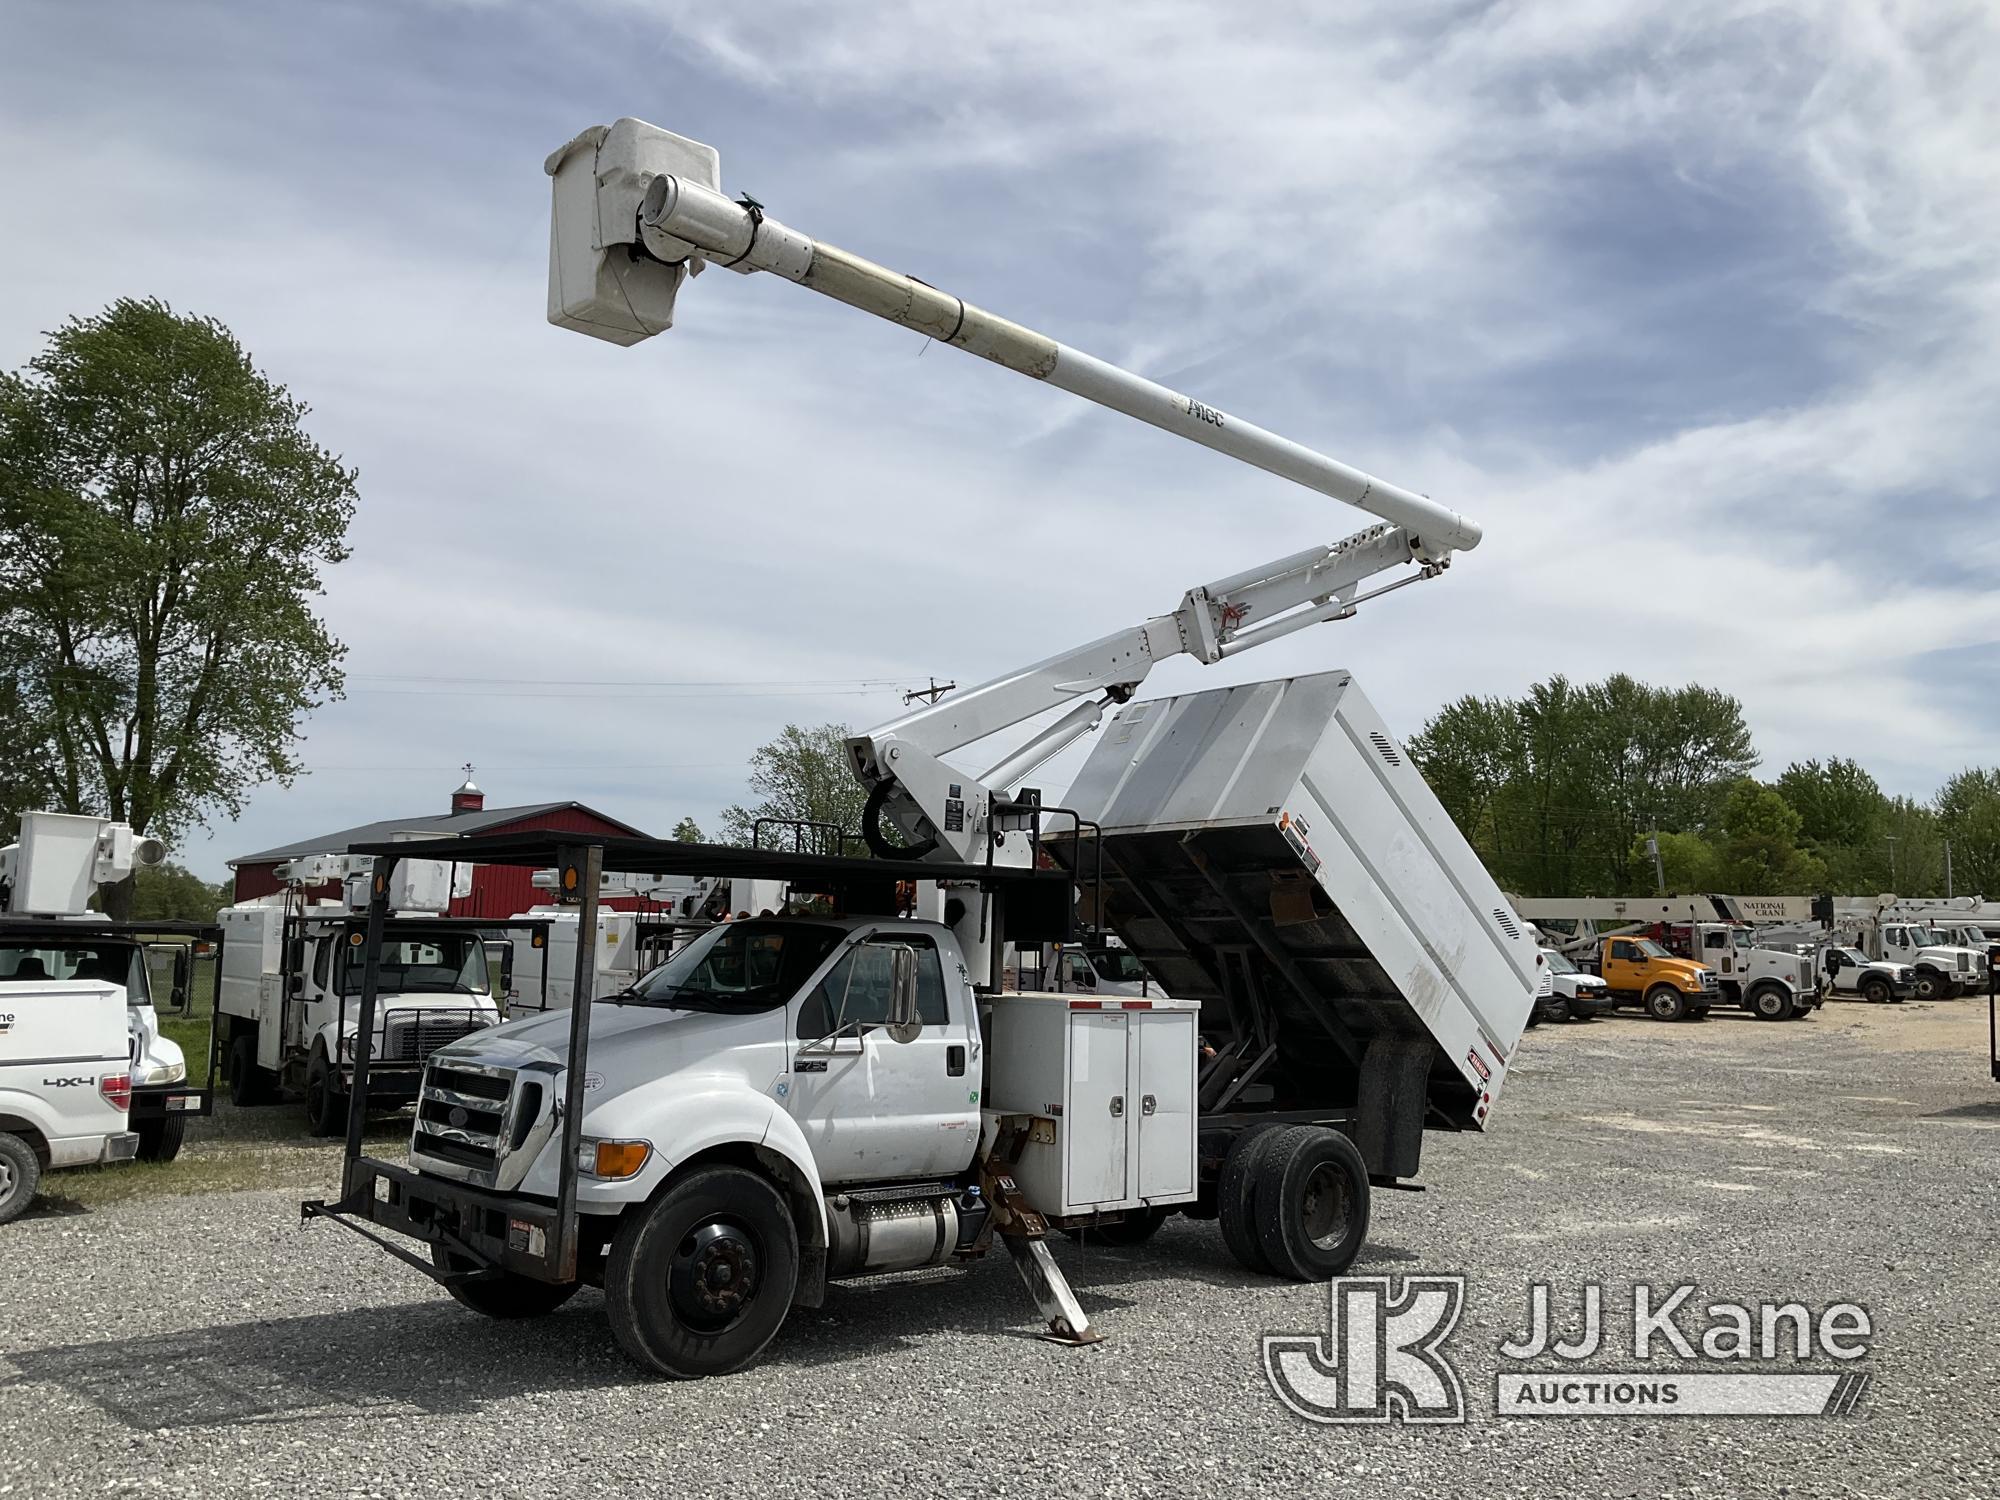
65,1083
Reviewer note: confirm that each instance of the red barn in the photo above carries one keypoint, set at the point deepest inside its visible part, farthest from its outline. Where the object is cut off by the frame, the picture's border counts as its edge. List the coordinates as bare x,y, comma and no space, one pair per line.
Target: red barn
497,890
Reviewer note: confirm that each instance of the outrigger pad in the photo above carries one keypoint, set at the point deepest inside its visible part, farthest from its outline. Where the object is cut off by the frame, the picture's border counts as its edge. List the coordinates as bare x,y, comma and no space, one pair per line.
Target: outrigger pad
1067,1322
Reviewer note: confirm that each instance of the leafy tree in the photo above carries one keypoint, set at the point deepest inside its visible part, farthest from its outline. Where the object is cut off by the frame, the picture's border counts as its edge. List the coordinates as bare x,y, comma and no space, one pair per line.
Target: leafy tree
802,776
687,831
1843,815
1689,862
164,520
173,893
1968,809
1760,852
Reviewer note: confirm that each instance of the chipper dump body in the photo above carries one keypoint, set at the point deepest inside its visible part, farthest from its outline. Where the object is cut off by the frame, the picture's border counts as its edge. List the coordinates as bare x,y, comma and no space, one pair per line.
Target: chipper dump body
1271,851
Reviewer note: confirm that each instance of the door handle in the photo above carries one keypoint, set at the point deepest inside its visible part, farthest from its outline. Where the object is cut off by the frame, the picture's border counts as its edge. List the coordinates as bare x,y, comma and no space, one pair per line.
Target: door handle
1148,1104
954,1062
1117,1106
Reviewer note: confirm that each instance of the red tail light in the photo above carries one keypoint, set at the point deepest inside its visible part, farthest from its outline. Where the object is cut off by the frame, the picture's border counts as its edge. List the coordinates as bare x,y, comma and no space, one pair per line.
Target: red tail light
117,1090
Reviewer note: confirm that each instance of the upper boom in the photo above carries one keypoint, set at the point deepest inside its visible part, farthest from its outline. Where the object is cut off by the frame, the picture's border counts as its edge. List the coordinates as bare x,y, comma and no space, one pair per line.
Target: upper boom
639,209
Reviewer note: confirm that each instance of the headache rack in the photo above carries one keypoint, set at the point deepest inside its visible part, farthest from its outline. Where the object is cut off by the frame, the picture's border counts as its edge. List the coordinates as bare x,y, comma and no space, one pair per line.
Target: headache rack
472,1215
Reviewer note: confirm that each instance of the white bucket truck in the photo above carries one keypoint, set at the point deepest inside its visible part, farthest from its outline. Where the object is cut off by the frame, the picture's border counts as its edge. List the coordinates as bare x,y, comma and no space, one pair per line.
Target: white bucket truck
290,1005
48,932
791,1100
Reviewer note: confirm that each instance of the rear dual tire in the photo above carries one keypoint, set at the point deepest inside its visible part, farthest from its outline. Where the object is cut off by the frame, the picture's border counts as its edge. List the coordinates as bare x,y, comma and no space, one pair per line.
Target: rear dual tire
1295,1202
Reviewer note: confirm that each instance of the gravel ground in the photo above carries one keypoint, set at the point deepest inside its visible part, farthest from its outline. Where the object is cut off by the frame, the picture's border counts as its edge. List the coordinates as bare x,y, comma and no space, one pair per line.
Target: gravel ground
204,1345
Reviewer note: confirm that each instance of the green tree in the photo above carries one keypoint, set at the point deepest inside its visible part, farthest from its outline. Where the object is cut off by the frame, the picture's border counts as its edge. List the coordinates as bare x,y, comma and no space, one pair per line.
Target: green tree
1843,812
1968,809
687,831
164,521
800,777
1690,862
174,893
1760,852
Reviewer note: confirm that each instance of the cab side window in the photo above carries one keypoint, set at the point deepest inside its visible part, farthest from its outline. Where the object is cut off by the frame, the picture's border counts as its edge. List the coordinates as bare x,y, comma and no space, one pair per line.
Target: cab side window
1625,952
861,980
323,964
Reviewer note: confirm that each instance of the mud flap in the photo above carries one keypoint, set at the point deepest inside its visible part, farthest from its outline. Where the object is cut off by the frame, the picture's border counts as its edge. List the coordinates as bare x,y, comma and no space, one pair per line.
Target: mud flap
1389,1112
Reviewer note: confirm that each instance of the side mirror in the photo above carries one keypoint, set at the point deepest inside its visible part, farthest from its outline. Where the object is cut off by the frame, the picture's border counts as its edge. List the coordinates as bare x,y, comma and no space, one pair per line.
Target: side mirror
905,1024
295,984
183,969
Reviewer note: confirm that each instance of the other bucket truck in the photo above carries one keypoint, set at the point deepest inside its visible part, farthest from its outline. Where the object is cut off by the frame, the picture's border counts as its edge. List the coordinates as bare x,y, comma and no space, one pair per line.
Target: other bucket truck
48,932
789,1100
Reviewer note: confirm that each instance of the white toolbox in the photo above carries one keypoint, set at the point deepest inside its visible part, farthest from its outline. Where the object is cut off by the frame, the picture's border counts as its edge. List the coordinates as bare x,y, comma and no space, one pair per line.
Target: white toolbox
1111,1084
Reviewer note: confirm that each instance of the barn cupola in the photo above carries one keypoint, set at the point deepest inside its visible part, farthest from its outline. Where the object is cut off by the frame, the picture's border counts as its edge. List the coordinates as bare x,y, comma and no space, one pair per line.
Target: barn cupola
468,798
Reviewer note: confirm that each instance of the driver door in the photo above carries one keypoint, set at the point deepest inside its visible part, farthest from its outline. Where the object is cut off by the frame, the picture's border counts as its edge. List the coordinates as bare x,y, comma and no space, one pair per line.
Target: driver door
872,1108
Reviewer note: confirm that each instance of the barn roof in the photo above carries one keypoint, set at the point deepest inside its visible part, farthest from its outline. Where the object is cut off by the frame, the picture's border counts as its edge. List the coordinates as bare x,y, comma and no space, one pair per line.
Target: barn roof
436,825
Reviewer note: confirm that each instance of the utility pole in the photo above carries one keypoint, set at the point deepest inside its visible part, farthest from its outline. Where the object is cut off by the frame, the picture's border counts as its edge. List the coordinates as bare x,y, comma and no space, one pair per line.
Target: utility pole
929,694
1948,891
1659,866
1892,862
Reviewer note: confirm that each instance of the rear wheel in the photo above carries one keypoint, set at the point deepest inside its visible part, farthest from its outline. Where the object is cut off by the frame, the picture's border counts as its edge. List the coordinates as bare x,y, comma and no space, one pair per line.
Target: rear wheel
1236,1201
501,1294
326,1106
1664,1003
1875,991
700,1280
160,1140
247,1084
1771,1002
1312,1203
20,1175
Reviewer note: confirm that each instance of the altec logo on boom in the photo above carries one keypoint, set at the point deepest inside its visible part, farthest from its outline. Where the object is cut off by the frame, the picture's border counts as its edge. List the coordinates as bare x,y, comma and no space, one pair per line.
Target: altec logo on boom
1383,1358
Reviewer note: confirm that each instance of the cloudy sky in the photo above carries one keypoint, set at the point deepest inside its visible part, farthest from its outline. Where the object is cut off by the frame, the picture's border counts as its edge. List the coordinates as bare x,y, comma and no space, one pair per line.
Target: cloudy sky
1692,305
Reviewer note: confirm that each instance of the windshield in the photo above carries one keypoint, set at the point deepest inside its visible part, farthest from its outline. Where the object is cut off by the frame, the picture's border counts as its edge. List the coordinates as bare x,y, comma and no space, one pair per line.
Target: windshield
1557,963
445,964
1116,963
737,966
1652,949
106,963
1742,937
1923,937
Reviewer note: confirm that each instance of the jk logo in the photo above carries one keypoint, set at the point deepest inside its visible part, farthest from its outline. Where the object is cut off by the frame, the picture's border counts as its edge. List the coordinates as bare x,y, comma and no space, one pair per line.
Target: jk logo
1380,1360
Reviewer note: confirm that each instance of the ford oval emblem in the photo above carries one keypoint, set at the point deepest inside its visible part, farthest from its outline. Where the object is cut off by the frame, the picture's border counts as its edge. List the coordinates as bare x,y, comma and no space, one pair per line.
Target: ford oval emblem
593,1081
458,1116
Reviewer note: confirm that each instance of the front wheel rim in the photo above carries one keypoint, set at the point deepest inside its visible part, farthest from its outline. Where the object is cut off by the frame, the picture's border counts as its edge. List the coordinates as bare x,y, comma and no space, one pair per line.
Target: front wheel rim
6,1180
715,1275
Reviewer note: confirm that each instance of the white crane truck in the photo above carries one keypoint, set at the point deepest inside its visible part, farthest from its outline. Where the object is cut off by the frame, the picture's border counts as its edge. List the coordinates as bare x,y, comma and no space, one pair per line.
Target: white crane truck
790,1101
48,932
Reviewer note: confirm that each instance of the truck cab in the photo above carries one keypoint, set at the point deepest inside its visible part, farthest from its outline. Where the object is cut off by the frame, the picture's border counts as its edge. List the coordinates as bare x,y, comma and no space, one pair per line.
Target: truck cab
1639,971
1942,971
290,1001
1849,971
1573,994
1102,969
1774,984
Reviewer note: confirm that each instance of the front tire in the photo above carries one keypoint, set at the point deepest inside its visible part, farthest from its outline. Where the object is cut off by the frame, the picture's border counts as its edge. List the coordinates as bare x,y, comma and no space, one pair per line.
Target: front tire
501,1294
1312,1203
1931,985
326,1106
160,1140
1876,991
1664,1003
1771,1003
20,1176
700,1279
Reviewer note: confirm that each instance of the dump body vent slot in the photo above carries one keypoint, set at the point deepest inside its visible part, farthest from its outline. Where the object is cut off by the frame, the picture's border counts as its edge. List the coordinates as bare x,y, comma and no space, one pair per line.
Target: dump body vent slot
1386,747
1507,923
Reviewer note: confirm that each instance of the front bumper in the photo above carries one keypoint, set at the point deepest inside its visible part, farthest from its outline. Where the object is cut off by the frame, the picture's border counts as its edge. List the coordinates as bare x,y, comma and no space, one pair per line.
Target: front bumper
498,1230
1592,1003
156,1101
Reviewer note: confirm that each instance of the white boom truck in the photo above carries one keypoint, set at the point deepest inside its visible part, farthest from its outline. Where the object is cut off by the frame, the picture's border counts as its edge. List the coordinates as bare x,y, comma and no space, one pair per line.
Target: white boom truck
789,1100
48,932
1774,984
289,1008
1883,929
